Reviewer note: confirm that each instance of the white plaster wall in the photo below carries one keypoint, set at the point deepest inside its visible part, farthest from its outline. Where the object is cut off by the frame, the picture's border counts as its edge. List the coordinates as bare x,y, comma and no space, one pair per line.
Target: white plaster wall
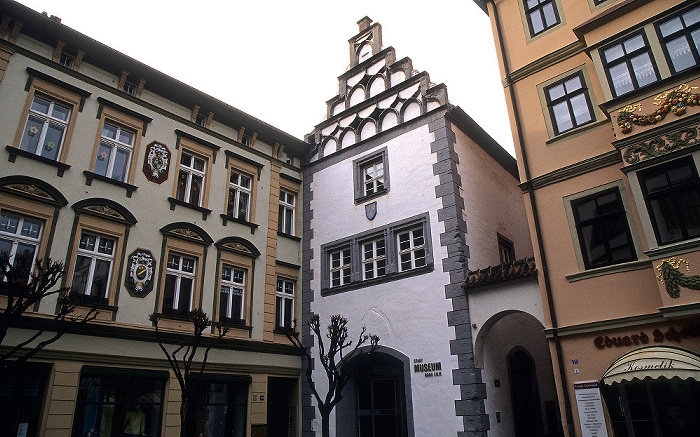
409,315
493,203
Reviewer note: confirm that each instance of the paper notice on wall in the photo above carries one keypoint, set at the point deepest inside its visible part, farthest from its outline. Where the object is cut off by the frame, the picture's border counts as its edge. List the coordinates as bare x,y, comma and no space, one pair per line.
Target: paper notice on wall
590,409
22,430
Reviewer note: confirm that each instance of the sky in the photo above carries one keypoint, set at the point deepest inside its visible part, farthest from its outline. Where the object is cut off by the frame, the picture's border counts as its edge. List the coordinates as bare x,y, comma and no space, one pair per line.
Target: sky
279,61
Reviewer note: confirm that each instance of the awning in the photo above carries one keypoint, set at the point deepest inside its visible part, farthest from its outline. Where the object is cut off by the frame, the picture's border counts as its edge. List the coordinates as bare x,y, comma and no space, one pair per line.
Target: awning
654,362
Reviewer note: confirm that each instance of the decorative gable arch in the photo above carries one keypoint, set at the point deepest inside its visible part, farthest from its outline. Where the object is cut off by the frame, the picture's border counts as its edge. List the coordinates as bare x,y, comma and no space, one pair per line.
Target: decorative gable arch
239,246
32,189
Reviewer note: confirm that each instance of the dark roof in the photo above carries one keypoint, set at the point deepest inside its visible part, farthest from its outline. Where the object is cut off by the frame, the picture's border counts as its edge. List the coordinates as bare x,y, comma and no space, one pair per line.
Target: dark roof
49,29
501,273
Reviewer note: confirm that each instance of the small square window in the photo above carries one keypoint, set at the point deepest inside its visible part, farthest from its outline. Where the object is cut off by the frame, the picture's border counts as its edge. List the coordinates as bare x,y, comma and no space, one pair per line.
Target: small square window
569,104
130,88
371,176
541,15
66,60
201,119
411,246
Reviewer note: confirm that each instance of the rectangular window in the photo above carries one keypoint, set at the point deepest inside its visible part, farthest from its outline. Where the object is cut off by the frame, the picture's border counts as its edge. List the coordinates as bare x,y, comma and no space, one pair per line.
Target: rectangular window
93,268
232,296
239,195
179,285
411,246
373,258
20,237
603,231
114,152
672,195
190,182
286,212
541,15
46,127
66,60
285,303
340,267
629,64
569,104
371,175
506,249
680,38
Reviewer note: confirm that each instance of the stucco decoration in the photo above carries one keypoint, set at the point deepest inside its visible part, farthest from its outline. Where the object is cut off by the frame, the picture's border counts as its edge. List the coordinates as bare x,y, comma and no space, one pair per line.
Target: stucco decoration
105,210
157,162
675,102
139,277
673,278
661,145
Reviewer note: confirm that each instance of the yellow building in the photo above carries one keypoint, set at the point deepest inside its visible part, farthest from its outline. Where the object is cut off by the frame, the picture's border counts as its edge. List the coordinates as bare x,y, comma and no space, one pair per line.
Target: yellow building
159,199
603,102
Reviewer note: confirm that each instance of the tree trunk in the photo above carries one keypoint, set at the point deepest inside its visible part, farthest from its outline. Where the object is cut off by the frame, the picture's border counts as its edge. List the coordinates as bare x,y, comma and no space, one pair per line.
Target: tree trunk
183,414
325,423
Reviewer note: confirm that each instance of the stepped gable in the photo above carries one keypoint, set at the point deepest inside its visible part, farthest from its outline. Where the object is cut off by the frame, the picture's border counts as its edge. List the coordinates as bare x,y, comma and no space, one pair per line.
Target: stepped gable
501,273
375,94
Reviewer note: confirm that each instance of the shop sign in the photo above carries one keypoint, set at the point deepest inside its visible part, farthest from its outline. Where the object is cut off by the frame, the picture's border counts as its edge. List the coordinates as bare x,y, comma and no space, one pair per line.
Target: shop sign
590,409
428,370
657,336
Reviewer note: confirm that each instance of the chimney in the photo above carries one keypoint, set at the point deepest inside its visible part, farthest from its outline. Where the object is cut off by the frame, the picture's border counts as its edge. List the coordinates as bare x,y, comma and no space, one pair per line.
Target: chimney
364,23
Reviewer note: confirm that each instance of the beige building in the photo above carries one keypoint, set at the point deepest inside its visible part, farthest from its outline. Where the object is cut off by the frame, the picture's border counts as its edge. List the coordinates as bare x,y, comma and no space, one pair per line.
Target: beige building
159,199
603,102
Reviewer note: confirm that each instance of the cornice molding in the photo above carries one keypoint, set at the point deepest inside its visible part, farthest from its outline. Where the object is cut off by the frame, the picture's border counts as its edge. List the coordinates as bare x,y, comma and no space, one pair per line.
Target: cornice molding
571,171
553,58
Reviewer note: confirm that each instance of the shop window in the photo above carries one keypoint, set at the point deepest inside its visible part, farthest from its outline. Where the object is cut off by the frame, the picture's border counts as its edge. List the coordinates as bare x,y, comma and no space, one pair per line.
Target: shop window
22,392
284,307
218,407
388,253
20,237
603,231
371,175
569,104
286,212
680,39
672,195
629,64
117,402
541,15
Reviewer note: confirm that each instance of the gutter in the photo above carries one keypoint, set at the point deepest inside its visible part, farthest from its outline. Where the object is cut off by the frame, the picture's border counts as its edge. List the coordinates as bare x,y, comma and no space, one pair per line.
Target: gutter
538,229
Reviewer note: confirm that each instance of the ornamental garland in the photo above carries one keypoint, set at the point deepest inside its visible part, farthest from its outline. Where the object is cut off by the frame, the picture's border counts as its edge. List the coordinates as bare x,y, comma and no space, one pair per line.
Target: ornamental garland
668,273
675,102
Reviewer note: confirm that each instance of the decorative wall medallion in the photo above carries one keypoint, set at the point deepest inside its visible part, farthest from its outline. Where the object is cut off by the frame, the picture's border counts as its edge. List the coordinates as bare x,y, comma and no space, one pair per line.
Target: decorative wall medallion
139,280
661,145
371,210
157,162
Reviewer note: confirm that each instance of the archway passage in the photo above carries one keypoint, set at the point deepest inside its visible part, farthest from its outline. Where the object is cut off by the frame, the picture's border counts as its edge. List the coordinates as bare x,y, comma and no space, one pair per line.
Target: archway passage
525,396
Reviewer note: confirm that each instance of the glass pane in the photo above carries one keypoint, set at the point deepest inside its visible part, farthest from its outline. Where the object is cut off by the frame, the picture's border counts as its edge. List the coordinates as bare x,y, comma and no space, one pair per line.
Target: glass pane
532,3
420,257
680,54
40,105
245,181
233,178
346,276
695,36
100,278
195,189
403,241
80,274
238,276
664,215
243,206
186,160
5,245
692,16
9,223
671,26
288,221
126,137
346,257
289,287
689,206
121,162
182,185
621,79
614,52
169,293
198,164
369,271
634,43
188,265
556,92
405,261
104,152
226,274
185,293
109,131
87,242
677,175
105,246
418,238
52,142
288,312
573,84
32,133
24,259
581,111
536,20
643,69
562,117
174,262
60,112
550,17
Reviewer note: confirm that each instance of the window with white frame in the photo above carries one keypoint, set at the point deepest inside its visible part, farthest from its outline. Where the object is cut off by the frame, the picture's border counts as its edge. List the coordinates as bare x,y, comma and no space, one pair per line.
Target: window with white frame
239,195
371,175
114,152
46,127
629,64
286,212
541,15
179,284
285,303
680,39
93,267
672,195
340,267
232,297
411,249
19,238
569,103
190,183
374,258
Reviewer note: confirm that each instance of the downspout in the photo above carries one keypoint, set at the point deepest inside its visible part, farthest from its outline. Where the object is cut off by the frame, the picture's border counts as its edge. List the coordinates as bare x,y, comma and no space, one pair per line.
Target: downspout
538,229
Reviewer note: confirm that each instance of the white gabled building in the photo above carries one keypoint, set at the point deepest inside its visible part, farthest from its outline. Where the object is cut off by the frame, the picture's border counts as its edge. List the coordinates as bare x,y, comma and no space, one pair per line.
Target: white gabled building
403,193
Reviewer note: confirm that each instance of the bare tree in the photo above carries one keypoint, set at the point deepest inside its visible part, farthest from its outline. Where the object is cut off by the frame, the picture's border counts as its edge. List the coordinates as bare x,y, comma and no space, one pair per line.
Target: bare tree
20,290
182,359
335,361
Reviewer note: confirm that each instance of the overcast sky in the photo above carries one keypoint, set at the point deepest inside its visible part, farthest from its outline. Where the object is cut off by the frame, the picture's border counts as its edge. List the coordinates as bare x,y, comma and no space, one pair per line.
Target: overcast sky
280,60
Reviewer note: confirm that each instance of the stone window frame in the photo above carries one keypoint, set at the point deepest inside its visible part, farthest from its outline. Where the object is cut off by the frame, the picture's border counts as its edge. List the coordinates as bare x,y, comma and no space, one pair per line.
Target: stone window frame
567,97
293,186
237,253
626,58
187,144
686,31
358,165
529,37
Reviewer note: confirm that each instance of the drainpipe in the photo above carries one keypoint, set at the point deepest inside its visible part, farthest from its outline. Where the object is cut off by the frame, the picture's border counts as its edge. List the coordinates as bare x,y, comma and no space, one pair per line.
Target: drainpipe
538,229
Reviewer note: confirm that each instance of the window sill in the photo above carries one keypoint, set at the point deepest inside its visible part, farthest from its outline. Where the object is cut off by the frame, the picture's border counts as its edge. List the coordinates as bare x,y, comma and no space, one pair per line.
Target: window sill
227,218
673,248
14,152
90,176
173,201
389,277
367,197
576,131
230,324
284,331
289,236
607,270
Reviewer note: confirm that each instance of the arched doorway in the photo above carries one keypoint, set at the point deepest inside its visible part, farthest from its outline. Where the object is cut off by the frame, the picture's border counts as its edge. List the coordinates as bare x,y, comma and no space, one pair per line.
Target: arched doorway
524,393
